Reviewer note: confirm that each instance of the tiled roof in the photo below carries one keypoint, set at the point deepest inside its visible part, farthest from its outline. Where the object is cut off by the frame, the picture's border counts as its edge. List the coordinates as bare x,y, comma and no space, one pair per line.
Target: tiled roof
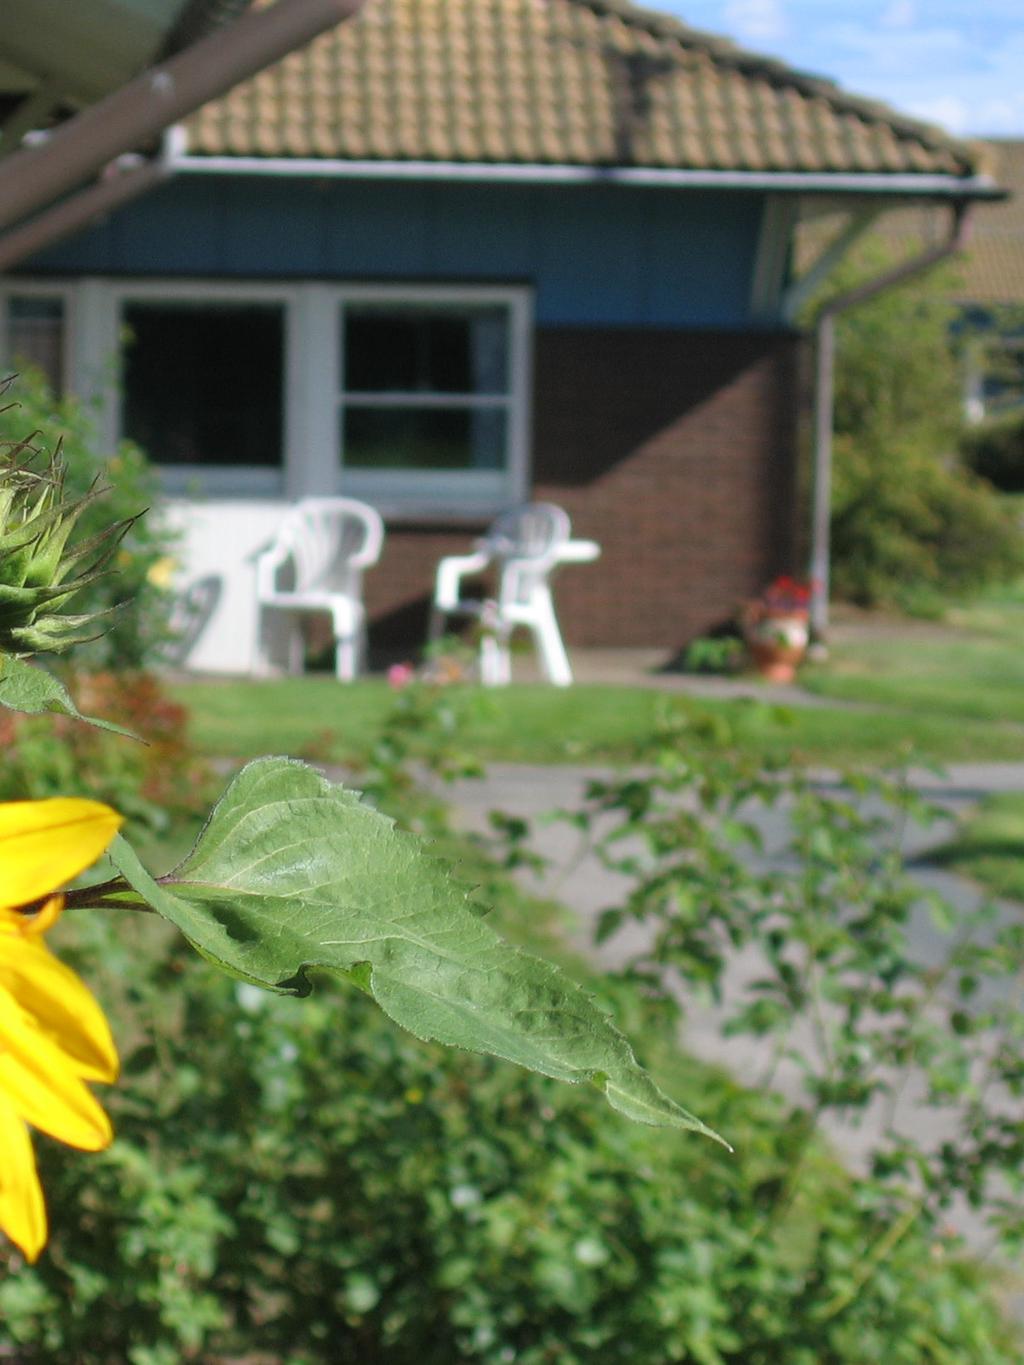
991,270
583,82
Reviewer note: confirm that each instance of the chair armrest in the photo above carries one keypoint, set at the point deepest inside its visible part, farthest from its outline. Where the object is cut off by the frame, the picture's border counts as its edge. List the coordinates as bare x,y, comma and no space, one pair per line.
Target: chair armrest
578,552
450,572
370,553
267,565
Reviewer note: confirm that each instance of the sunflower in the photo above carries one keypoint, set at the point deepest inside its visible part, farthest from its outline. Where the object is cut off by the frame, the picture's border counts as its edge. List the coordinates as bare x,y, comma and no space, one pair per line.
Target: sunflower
53,1036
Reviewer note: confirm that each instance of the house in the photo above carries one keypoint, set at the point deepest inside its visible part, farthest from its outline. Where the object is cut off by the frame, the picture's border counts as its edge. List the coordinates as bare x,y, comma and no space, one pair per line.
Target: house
457,253
986,287
990,293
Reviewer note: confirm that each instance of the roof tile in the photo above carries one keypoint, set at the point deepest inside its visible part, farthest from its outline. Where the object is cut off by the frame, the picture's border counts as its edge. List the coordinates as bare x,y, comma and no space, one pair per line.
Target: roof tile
585,82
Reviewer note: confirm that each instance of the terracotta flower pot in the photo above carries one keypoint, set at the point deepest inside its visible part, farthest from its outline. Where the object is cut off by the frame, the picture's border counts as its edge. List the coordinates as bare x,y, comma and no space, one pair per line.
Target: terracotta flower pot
777,644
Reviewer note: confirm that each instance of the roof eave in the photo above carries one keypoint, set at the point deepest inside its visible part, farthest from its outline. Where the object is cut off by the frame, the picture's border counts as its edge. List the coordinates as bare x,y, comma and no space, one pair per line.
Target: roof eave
895,184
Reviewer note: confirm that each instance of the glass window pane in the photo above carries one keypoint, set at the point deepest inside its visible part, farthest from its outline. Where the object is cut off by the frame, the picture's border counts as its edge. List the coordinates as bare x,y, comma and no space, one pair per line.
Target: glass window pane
431,348
424,438
203,382
36,332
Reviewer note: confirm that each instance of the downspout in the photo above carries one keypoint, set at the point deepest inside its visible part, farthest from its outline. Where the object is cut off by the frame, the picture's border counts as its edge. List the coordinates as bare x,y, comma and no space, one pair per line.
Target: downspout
142,109
824,395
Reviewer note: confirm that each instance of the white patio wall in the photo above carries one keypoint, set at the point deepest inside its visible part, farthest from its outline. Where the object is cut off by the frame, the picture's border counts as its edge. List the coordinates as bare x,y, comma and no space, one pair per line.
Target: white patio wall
220,541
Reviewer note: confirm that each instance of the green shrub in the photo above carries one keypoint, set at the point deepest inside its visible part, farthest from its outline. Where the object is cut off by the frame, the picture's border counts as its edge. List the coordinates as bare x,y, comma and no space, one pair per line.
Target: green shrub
995,451
909,523
905,524
296,1182
137,631
153,783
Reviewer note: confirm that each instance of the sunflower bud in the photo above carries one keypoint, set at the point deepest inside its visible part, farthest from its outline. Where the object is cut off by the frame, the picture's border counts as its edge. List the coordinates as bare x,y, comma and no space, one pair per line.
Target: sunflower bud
39,572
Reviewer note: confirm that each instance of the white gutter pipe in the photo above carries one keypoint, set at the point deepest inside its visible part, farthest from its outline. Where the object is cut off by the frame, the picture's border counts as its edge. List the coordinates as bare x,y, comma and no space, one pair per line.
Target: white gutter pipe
142,109
806,182
824,392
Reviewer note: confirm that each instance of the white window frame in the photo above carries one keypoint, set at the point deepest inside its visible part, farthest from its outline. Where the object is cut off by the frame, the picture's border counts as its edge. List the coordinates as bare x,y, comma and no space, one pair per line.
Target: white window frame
405,493
311,462
47,289
259,481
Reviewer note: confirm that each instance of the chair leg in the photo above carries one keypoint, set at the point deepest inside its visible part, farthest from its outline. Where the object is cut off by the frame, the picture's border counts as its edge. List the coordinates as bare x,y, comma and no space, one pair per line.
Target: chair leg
349,627
435,625
296,646
554,659
346,656
495,661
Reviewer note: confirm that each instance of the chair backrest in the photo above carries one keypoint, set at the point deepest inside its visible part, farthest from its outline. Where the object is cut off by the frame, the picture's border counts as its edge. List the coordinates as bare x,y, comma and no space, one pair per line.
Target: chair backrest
329,541
535,530
526,540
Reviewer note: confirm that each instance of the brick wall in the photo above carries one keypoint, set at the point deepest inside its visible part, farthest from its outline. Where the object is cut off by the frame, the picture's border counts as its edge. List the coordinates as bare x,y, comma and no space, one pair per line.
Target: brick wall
675,451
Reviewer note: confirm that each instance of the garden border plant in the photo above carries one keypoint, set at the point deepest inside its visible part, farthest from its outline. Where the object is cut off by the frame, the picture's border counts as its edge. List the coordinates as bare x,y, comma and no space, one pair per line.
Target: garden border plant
290,874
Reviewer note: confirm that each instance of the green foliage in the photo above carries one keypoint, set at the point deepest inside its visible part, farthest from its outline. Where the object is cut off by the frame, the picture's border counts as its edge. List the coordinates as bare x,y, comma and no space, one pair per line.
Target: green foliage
714,654
297,1183
995,451
989,845
906,527
897,383
858,986
32,691
291,872
137,630
909,524
154,781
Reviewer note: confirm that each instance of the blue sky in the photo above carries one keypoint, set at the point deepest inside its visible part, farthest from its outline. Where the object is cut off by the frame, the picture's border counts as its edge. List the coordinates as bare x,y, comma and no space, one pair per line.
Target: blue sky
954,63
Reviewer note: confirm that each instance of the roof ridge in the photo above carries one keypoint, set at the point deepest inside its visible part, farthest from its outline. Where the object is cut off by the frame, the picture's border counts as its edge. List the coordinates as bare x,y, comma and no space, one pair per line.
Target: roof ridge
662,25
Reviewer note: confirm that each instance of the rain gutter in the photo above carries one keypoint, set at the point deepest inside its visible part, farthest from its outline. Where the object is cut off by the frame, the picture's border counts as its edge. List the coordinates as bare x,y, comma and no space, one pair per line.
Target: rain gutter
796,182
38,175
824,401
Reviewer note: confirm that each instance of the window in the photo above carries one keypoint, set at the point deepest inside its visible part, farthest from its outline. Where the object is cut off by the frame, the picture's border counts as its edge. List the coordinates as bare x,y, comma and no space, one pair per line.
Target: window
431,397
203,390
36,335
412,397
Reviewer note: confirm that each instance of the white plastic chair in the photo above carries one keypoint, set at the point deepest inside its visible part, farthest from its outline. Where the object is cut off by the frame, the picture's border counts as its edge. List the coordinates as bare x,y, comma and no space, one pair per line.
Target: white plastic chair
316,563
525,544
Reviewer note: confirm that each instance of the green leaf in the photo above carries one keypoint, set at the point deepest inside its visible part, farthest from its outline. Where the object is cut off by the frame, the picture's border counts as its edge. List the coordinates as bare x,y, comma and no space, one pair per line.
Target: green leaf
26,687
292,872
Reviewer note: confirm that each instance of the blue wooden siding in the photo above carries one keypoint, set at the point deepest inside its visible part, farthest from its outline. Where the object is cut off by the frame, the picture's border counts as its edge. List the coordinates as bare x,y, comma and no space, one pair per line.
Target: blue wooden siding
595,254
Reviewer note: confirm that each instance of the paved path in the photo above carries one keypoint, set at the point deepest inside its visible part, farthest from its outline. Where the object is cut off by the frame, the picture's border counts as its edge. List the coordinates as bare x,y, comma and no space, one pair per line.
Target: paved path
586,888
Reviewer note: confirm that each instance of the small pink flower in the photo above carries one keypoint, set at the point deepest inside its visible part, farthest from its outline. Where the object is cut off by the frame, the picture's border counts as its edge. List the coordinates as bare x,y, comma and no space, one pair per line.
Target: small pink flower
401,675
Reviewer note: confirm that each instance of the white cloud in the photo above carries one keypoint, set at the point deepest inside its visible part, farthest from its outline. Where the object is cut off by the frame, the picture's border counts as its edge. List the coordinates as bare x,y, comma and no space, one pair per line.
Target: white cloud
756,21
899,14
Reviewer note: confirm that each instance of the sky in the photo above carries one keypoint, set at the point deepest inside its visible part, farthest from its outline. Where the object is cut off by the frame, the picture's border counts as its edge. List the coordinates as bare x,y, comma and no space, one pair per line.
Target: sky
950,62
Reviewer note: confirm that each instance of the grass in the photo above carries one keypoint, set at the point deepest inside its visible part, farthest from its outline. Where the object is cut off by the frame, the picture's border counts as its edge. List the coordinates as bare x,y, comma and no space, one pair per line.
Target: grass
989,846
970,666
315,717
943,692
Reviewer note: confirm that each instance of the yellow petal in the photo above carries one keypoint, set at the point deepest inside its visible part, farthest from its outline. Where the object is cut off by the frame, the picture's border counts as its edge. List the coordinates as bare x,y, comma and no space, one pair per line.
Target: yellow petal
43,844
41,1083
22,1211
54,997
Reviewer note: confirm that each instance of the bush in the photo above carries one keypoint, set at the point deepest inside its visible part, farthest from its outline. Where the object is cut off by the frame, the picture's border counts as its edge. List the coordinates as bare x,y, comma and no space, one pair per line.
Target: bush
137,631
905,525
152,783
908,521
995,451
297,1182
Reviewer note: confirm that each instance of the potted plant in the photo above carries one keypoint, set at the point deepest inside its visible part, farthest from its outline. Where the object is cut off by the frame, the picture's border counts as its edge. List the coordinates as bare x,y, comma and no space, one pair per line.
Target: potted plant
776,628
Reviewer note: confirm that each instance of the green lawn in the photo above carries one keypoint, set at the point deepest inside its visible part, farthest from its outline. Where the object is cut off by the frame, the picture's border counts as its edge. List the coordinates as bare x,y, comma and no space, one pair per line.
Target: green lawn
948,692
989,846
316,717
970,666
